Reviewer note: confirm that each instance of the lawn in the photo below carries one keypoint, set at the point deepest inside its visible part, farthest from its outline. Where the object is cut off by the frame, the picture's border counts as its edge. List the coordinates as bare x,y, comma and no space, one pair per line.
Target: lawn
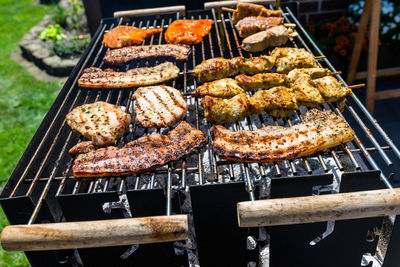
23,100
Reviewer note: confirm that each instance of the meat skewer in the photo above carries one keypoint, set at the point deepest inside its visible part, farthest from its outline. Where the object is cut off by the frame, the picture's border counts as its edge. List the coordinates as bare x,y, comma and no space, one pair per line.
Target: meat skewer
285,59
251,25
320,130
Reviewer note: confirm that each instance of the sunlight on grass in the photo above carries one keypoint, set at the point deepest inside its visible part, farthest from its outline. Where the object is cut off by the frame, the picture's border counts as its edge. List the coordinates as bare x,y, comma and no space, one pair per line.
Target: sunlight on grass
23,100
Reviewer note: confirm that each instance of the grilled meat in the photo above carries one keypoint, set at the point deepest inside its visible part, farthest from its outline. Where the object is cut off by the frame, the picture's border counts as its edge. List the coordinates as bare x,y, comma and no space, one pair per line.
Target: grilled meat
120,56
251,25
218,68
188,31
244,10
224,88
331,89
82,147
291,52
274,36
260,81
286,64
320,130
143,154
277,101
254,65
218,110
98,78
103,123
315,73
306,92
123,35
158,106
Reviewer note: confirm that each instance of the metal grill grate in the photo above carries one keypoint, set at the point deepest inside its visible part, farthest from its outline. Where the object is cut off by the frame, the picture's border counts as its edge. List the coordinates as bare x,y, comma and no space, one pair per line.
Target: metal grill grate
46,166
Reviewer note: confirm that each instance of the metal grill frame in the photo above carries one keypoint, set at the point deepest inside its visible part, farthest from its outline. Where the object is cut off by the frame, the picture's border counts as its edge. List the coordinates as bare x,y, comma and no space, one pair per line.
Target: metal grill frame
43,172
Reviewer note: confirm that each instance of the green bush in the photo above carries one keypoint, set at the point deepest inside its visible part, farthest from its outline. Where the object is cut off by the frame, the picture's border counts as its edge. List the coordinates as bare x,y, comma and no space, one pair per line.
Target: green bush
73,47
52,32
60,16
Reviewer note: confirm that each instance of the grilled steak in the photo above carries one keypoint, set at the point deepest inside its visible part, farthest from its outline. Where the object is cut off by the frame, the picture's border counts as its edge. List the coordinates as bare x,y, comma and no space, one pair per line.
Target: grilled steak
101,122
120,56
146,153
98,78
320,130
158,106
251,25
188,31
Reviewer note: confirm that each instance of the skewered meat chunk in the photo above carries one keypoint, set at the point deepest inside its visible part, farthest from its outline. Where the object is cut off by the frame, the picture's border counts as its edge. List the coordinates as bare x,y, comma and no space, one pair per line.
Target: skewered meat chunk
102,122
286,64
217,68
291,52
279,101
320,130
256,65
188,31
260,81
315,73
306,92
158,106
244,10
224,88
122,35
331,89
143,154
251,25
273,36
117,57
218,110
98,78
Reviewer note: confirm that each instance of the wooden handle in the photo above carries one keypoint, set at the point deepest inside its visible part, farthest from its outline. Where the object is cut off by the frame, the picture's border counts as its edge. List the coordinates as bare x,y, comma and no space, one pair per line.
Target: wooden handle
319,208
150,11
217,5
87,234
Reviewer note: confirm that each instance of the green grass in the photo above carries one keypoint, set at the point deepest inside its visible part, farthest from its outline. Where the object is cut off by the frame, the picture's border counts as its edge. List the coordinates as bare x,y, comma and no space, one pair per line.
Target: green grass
23,100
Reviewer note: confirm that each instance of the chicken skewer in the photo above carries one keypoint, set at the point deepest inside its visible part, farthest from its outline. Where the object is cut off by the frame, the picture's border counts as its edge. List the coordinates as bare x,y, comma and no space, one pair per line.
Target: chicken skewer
285,59
227,88
285,100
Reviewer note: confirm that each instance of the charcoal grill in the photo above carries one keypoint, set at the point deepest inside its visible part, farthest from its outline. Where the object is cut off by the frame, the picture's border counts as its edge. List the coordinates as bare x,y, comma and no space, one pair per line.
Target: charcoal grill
41,188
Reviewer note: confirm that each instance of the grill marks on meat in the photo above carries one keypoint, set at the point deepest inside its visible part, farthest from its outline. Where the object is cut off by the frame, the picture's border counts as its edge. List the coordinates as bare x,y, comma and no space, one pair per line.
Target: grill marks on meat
260,81
158,106
98,78
251,25
143,154
123,35
102,122
320,130
117,57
